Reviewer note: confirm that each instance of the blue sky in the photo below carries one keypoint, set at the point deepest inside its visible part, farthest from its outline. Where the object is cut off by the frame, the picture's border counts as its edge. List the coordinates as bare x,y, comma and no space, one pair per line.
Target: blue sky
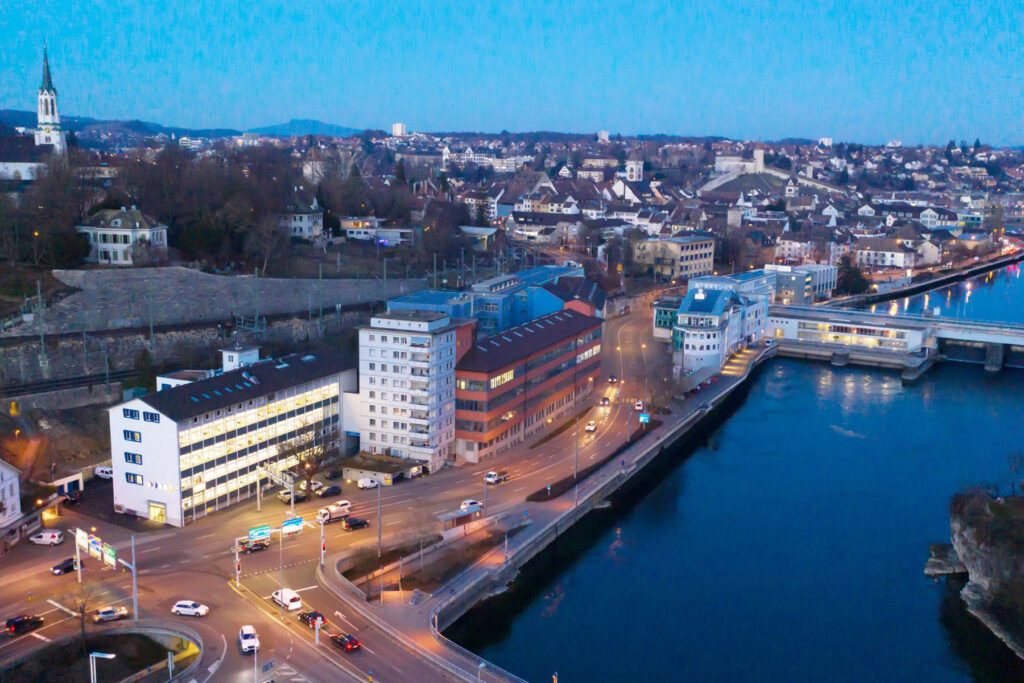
858,70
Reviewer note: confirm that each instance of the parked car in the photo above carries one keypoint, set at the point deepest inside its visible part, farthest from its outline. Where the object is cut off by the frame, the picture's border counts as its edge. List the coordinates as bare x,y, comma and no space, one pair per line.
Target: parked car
591,426
109,613
287,597
345,641
248,639
313,485
495,478
73,497
254,546
367,483
103,472
769,342
353,523
48,537
309,618
23,623
64,567
329,491
332,475
286,496
189,608
470,504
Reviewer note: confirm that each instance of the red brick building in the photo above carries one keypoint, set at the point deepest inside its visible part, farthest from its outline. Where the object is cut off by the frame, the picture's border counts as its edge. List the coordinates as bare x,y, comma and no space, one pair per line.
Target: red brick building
508,385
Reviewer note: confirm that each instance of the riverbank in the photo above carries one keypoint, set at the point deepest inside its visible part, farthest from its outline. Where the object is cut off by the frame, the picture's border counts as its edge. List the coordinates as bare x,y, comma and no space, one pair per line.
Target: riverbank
862,300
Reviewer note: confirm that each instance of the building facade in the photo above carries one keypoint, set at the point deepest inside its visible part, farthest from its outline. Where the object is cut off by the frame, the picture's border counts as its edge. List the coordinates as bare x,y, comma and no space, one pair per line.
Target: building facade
511,385
184,452
676,257
10,494
405,406
48,130
113,235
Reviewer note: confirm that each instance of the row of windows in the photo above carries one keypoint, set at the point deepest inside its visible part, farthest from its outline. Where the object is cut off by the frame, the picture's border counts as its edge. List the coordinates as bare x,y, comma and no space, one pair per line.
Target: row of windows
133,414
251,420
255,439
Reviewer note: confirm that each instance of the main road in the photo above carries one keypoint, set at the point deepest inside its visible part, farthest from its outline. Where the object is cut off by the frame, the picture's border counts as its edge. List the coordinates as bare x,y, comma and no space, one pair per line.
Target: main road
196,562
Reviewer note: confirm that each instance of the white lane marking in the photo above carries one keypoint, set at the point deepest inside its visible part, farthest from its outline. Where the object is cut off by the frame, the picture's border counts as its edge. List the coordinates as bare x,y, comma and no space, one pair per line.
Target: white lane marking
439,511
342,617
369,650
206,536
40,636
307,588
62,607
521,488
149,550
397,521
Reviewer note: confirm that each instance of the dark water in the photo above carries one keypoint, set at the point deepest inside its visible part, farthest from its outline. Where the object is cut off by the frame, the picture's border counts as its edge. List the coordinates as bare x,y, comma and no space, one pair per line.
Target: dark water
789,548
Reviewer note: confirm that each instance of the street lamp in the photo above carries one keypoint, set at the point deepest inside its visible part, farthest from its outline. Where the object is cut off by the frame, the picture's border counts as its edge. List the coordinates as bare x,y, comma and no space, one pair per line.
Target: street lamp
93,656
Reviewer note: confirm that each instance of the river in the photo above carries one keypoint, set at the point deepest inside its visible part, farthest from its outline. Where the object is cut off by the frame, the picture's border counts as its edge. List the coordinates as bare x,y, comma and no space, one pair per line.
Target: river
789,547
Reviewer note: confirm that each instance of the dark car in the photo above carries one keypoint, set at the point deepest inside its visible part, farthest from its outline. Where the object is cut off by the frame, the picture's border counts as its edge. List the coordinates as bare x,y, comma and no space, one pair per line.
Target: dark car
353,523
23,623
64,567
309,618
331,490
345,641
253,546
286,496
605,401
612,379
333,474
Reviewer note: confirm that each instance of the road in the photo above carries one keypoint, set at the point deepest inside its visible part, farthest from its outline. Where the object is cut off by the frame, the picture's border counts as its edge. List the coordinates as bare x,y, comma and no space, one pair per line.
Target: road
196,562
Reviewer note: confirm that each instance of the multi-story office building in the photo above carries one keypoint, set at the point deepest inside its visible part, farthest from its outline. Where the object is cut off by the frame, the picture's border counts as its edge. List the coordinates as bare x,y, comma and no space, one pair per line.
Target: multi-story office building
713,324
685,257
186,451
406,401
804,284
509,384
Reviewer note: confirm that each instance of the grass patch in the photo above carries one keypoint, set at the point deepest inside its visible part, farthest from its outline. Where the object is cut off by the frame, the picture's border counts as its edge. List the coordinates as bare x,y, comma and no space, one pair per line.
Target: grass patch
451,561
568,423
565,484
366,561
68,662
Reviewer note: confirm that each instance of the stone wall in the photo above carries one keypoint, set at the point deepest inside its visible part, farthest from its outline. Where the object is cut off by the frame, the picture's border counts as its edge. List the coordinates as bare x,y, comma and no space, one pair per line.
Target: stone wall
66,356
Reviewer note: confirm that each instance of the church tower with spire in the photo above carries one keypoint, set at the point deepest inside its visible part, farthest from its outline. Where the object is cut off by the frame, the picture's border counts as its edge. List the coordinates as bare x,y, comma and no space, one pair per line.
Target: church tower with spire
48,131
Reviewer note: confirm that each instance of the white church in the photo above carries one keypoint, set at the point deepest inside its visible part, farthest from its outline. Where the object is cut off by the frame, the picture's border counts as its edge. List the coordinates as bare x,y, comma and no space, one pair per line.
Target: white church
19,158
48,131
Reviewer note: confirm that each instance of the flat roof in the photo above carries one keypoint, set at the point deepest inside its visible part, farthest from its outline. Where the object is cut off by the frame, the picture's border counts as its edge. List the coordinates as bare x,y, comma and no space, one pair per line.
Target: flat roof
412,315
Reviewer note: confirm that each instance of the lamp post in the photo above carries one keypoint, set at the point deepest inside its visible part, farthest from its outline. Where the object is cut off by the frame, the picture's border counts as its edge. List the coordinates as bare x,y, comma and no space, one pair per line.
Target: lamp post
93,656
576,465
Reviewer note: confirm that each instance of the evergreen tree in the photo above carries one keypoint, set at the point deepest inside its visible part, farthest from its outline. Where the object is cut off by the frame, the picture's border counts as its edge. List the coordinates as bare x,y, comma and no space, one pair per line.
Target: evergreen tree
400,173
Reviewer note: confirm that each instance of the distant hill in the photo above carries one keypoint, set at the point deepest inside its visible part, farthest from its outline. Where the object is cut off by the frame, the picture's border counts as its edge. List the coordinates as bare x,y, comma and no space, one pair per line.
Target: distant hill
306,127
27,119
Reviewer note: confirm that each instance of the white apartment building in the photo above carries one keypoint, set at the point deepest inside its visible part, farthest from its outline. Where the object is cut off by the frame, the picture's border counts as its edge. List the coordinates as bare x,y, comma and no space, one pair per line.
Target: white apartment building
10,495
406,401
713,324
399,130
189,450
113,233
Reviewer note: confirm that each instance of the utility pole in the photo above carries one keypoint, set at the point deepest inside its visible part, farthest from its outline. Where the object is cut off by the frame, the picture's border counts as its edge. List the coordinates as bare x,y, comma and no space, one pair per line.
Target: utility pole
323,543
435,270
379,520
238,566
280,575
78,559
576,465
135,585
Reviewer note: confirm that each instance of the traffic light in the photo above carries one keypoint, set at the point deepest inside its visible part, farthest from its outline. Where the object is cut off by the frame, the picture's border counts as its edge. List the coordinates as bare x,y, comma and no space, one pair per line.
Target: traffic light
323,545
238,566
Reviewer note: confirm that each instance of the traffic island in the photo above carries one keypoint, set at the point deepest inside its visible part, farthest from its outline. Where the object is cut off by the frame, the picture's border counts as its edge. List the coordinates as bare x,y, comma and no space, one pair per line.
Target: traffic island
136,656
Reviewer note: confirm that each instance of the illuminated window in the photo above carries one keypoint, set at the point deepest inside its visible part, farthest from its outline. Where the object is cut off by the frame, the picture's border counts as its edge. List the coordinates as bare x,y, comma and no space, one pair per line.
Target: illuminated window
504,377
133,478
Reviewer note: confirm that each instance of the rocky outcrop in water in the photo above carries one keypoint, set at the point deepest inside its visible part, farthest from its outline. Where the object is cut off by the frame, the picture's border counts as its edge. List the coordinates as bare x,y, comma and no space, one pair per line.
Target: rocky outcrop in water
988,537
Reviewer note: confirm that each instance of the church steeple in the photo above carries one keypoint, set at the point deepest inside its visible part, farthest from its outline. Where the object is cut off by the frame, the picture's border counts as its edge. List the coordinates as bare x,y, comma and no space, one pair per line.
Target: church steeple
47,85
48,131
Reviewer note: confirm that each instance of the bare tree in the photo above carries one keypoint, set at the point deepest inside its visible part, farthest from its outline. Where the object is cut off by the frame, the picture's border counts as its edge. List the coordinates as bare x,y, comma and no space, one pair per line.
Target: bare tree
266,239
83,600
313,449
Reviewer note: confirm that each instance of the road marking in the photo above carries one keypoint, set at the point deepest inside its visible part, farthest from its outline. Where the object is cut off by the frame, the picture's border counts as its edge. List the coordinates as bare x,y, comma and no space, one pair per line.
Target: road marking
435,512
307,588
149,550
369,650
206,536
521,488
342,617
62,607
39,636
397,521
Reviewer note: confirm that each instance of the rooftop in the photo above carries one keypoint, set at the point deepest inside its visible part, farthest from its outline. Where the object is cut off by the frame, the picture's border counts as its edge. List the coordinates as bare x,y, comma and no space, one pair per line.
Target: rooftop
413,315
236,386
522,341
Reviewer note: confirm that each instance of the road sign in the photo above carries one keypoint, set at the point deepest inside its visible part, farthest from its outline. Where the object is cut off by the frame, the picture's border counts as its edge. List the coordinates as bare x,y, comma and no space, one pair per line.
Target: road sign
109,555
291,526
645,418
258,533
95,547
82,539
268,666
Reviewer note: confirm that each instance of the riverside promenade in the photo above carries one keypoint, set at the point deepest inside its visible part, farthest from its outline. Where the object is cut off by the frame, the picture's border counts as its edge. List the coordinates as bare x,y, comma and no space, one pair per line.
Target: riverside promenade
416,628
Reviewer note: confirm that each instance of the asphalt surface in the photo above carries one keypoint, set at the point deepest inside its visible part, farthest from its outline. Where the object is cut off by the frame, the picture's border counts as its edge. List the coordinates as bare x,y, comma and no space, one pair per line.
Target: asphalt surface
197,562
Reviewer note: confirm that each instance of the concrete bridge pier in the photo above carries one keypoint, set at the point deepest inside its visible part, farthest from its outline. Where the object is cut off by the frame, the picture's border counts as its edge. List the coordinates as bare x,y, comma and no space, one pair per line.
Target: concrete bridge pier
995,356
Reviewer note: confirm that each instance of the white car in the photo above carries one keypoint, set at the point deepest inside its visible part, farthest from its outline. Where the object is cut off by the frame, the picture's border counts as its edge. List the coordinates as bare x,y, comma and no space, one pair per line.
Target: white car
48,537
188,608
313,485
288,598
104,472
109,613
591,426
368,483
470,504
247,639
639,405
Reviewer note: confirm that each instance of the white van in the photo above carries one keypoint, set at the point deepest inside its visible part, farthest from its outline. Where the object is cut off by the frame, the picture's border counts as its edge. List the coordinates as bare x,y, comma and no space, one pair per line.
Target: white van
367,483
104,472
48,537
287,597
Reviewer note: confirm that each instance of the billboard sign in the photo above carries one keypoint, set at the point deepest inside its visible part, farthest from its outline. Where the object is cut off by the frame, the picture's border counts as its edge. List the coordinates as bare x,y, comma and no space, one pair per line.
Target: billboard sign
291,526
259,533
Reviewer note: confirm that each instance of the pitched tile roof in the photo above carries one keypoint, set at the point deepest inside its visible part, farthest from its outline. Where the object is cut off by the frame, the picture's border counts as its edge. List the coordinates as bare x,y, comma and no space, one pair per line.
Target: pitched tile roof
520,342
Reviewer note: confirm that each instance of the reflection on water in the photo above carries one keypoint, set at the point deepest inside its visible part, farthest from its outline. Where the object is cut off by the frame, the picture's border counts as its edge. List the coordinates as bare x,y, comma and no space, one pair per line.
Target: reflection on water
985,656
993,296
